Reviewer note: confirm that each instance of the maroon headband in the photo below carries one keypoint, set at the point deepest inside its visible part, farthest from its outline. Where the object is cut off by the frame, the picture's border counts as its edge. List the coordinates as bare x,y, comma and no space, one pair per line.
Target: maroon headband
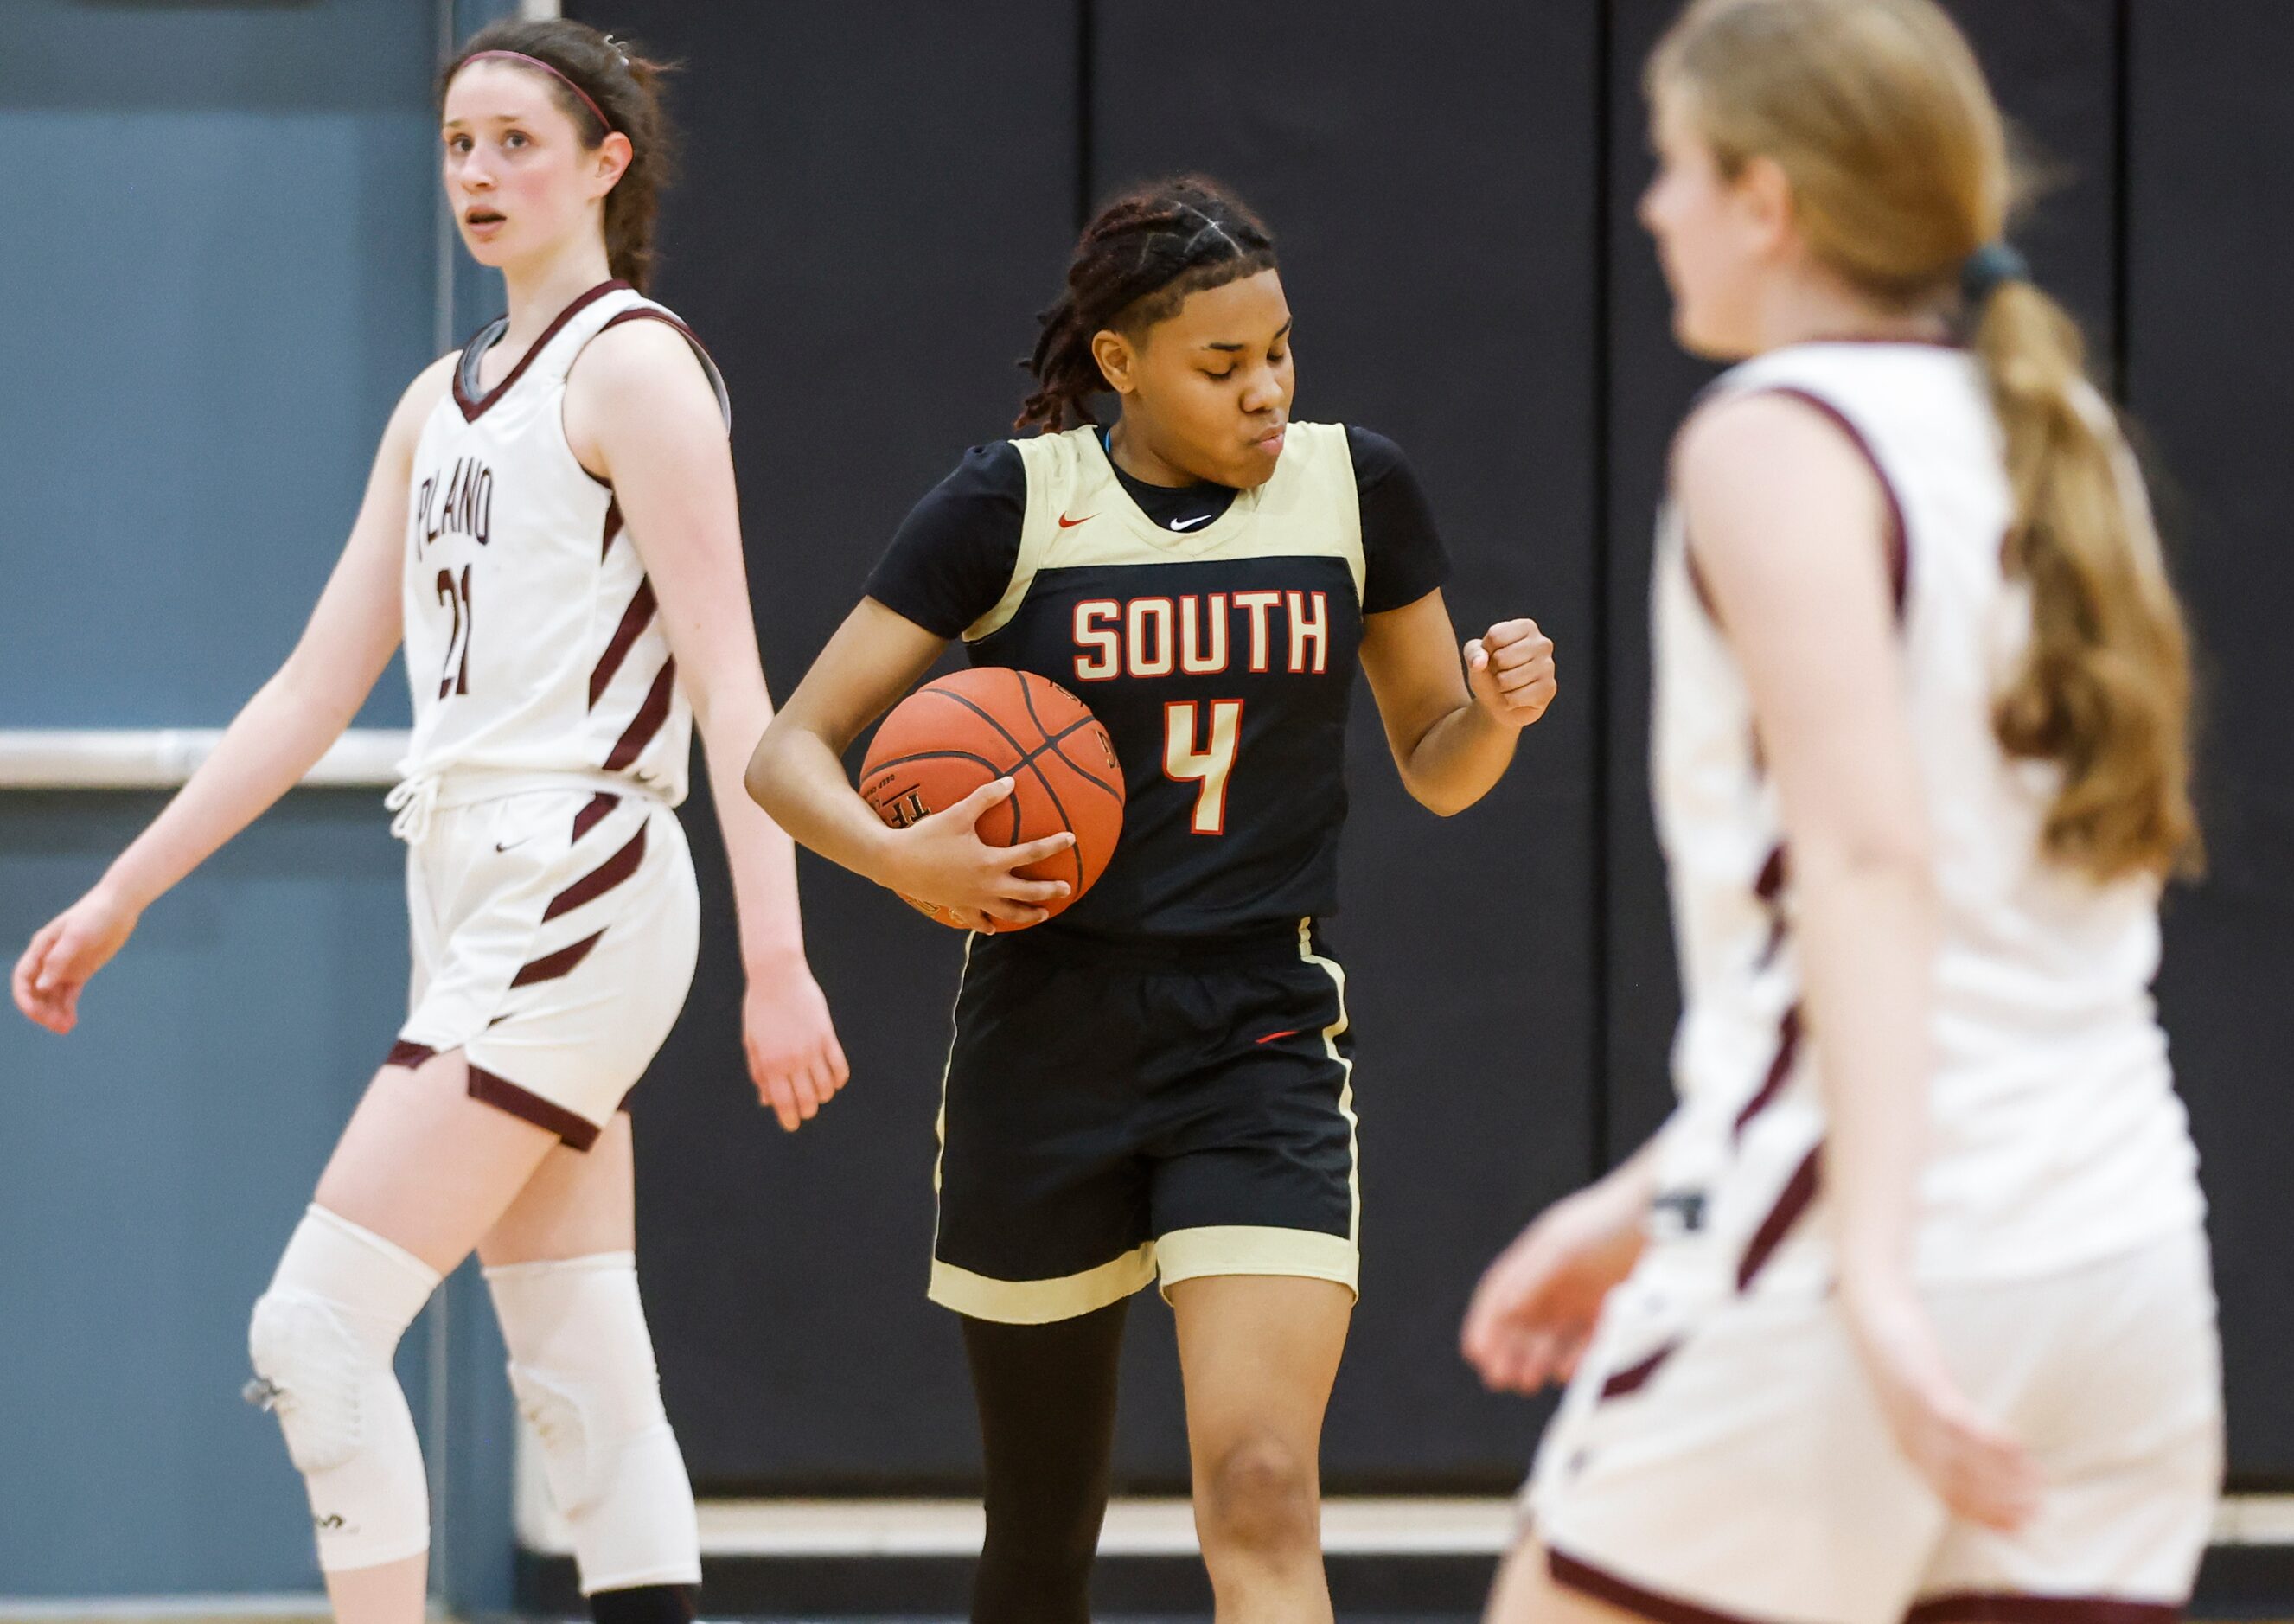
536,61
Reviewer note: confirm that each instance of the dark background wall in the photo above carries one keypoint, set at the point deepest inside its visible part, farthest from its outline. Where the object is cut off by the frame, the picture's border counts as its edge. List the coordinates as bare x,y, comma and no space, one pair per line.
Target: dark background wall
878,200
224,261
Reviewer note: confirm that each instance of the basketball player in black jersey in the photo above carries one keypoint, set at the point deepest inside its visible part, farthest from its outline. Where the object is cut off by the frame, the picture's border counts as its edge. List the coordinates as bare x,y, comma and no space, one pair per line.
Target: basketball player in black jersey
1159,1079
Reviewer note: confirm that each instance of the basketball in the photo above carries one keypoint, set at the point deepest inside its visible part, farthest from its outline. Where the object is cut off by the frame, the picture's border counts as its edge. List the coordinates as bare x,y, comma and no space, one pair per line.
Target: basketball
972,727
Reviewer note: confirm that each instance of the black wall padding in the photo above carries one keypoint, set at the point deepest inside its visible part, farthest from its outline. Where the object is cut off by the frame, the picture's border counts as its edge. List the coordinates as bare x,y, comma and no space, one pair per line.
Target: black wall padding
2210,347
879,197
871,215
1427,171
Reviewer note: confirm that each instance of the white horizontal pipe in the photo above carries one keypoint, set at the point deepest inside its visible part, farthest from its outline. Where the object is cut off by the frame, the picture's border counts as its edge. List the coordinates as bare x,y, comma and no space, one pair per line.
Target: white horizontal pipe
1366,1526
161,758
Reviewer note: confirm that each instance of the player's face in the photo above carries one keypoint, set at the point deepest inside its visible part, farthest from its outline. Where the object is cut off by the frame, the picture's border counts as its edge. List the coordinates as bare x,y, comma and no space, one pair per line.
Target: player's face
517,176
1213,381
1712,235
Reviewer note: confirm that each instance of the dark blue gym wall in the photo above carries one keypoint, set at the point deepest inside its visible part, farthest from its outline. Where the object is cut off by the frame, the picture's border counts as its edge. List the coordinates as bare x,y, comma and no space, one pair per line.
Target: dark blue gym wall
223,266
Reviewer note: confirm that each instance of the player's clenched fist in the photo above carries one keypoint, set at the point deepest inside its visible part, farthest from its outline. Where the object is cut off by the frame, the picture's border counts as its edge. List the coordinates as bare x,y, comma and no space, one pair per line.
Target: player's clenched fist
1510,668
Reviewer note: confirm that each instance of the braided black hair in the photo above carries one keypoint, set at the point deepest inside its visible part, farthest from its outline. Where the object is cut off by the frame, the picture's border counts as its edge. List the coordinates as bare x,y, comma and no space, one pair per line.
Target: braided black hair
625,86
1133,265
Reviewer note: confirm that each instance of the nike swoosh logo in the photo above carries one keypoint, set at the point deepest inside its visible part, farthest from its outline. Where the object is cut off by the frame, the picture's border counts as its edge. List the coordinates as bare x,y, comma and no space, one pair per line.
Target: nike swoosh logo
1066,523
1189,524
512,845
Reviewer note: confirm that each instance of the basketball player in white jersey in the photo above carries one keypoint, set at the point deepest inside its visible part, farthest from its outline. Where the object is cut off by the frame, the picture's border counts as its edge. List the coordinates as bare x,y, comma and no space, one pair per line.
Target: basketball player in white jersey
550,528
1905,1313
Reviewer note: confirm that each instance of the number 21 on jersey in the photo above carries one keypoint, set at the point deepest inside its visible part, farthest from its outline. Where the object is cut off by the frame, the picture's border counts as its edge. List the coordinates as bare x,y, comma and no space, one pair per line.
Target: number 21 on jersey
1207,768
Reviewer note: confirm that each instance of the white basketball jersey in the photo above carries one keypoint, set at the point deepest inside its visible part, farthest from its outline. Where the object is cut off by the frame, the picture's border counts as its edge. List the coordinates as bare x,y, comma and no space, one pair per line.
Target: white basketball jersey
2055,1133
533,643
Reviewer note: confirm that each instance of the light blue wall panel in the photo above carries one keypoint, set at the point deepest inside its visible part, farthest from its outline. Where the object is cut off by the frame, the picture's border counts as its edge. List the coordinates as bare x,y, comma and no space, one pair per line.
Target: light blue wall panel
153,1164
222,270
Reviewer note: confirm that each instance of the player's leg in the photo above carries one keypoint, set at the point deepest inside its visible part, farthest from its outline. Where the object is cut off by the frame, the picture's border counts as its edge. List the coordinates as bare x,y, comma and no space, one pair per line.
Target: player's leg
561,1264
419,1175
1526,1594
1042,1235
1255,1214
1257,1354
1046,1399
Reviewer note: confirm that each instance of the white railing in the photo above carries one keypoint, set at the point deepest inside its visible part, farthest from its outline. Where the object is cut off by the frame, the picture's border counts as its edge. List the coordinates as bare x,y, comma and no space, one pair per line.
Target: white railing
161,758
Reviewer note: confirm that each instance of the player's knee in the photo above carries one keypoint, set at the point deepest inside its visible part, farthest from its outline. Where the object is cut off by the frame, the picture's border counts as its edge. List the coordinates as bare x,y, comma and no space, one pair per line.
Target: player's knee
311,1371
321,1341
1260,1498
581,1366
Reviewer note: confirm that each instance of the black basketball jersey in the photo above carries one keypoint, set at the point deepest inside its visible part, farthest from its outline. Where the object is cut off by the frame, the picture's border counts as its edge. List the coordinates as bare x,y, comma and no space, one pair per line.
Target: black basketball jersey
1215,632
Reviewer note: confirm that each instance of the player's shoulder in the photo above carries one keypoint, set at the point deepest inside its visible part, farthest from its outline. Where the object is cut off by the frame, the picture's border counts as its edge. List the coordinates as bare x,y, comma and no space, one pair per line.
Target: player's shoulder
1376,458
641,348
431,386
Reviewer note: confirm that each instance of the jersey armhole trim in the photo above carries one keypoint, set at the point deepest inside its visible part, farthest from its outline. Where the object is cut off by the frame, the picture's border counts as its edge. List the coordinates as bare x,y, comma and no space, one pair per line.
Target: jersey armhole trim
1897,540
654,313
1036,533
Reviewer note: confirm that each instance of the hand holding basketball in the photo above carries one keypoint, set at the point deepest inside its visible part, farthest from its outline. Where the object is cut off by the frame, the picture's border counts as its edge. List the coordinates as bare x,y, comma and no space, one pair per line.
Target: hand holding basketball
1510,671
65,952
943,865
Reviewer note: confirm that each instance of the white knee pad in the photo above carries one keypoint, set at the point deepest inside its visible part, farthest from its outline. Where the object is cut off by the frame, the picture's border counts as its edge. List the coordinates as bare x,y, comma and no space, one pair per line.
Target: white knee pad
321,1341
581,1363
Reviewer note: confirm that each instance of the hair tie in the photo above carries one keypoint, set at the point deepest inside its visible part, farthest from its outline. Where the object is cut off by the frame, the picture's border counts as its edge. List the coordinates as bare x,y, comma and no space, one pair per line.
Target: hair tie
1995,262
557,73
618,47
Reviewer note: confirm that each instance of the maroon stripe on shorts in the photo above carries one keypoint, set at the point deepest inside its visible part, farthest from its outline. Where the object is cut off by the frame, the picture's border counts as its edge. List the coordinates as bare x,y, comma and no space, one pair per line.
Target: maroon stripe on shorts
1799,1190
1632,1378
647,723
403,1053
635,619
598,807
1603,1586
503,1095
613,525
550,966
600,879
2008,1607
1780,1069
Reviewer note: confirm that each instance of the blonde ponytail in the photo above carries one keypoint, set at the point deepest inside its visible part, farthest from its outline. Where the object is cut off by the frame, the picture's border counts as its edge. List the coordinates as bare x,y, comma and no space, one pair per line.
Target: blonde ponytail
1879,115
2105,689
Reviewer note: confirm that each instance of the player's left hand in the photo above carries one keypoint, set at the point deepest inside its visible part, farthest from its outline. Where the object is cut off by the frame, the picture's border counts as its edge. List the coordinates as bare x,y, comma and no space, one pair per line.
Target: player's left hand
1510,671
794,1058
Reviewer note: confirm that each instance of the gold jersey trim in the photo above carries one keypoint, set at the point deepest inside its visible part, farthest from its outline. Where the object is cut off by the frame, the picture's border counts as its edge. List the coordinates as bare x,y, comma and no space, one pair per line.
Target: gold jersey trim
1079,514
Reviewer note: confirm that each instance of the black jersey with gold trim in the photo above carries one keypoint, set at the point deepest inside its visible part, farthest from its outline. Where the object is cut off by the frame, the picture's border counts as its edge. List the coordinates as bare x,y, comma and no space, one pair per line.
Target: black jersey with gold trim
1215,632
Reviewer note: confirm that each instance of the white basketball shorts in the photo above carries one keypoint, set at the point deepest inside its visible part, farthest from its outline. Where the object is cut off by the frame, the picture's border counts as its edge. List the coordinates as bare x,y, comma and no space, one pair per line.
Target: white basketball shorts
1735,1466
554,936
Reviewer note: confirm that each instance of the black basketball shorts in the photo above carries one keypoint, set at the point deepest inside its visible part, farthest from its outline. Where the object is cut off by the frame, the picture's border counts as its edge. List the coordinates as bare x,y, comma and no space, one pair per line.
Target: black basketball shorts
1108,1115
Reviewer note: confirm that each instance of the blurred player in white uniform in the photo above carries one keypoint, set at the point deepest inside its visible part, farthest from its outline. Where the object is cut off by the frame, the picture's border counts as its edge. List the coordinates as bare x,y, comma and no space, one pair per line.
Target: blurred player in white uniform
1906,1312
550,528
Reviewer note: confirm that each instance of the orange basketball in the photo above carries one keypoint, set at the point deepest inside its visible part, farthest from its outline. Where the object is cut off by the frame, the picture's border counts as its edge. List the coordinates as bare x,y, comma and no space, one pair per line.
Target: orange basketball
953,735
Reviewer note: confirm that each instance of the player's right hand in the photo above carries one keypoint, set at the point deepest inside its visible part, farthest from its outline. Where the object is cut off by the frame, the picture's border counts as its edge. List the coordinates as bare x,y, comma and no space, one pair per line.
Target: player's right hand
941,860
1976,1466
1537,1306
65,952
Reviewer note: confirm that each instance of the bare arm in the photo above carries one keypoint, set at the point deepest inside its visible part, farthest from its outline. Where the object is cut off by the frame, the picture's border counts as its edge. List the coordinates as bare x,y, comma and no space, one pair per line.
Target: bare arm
1788,524
1452,732
797,775
276,737
640,415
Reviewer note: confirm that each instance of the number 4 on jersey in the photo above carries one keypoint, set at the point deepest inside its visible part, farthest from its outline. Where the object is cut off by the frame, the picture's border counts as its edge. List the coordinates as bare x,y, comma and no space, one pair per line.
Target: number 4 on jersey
1208,767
